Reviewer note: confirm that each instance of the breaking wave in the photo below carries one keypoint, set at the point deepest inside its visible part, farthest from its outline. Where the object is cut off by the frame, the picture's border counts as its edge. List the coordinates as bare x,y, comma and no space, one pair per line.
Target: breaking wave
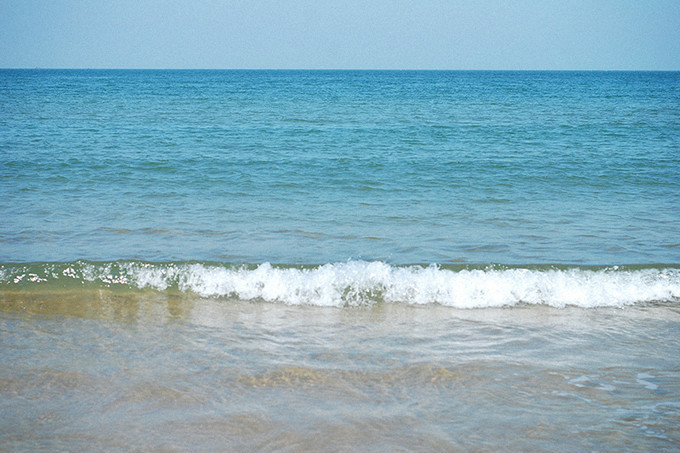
358,283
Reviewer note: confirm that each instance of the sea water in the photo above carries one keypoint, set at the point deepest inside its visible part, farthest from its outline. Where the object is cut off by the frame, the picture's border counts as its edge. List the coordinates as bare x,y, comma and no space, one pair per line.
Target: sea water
339,260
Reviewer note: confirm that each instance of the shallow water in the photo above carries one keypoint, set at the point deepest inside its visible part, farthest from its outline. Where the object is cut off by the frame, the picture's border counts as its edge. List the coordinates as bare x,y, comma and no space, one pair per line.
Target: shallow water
157,372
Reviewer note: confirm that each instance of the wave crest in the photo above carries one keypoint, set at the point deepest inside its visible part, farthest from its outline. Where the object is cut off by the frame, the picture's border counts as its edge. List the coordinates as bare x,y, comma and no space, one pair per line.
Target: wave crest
357,283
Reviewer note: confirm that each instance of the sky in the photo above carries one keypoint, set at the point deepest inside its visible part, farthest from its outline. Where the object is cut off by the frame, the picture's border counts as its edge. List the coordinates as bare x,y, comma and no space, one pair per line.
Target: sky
351,34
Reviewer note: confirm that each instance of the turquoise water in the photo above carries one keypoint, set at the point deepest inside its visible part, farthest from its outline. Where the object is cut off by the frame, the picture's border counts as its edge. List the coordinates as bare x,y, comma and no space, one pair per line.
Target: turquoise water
339,261
320,167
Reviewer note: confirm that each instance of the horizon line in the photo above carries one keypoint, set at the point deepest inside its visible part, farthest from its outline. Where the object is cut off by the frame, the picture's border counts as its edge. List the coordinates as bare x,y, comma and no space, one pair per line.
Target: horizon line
330,69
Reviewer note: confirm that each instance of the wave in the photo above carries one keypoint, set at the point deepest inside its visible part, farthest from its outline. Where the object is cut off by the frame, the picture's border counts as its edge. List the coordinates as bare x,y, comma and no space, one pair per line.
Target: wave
359,283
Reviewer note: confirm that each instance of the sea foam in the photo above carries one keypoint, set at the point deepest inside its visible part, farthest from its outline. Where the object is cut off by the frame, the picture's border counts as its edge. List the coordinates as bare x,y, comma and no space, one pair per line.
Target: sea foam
358,283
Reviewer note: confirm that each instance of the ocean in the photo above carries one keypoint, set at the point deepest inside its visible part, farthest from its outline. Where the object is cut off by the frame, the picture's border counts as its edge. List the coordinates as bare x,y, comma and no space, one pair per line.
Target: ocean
339,260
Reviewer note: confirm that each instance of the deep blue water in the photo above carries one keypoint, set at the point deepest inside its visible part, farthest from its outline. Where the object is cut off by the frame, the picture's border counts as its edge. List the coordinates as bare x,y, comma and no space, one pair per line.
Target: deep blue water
316,167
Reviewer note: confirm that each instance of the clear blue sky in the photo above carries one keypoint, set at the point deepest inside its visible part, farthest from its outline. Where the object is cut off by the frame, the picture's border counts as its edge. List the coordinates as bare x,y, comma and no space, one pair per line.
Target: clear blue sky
361,34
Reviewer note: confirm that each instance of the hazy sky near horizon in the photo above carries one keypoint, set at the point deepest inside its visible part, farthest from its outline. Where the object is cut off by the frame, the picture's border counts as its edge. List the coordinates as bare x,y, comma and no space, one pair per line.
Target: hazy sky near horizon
352,34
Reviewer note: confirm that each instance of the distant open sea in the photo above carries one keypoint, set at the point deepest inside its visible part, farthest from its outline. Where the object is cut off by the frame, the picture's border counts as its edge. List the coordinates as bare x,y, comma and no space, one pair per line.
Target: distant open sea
339,261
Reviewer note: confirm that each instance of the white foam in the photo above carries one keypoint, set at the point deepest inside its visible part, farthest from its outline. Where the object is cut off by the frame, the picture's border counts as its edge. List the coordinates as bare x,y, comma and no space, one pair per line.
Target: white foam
360,283
364,283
